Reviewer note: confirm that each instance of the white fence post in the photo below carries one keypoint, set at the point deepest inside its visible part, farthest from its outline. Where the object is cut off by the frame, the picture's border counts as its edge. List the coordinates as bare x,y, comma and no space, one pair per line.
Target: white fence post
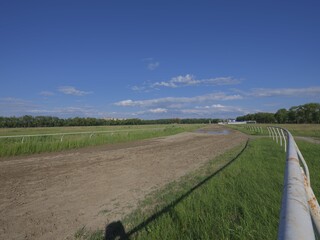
284,139
279,136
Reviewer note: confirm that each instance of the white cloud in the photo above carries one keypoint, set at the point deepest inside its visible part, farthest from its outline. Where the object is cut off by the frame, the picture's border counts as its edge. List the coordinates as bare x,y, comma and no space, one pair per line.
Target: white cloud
86,111
17,107
288,92
274,104
221,81
127,103
11,106
158,110
177,100
215,110
69,90
153,65
210,111
46,93
190,80
177,82
187,80
136,88
11,101
164,84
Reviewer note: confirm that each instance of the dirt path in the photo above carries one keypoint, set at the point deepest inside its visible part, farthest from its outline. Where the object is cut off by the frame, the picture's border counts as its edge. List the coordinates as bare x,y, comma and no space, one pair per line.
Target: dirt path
51,196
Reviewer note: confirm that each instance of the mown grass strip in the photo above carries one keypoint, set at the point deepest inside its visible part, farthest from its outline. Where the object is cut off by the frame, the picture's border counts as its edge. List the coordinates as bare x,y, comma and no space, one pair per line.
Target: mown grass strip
306,130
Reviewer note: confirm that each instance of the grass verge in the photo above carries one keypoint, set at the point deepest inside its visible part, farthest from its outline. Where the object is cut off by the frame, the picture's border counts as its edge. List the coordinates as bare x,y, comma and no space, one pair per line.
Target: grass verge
31,145
311,153
305,130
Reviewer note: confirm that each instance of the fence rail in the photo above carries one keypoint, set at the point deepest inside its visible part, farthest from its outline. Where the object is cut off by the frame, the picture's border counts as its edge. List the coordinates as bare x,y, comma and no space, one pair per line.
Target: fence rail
300,211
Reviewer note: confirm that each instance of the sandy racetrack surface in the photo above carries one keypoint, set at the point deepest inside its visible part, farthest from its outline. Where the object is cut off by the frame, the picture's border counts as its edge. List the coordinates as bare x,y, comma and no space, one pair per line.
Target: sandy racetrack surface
51,196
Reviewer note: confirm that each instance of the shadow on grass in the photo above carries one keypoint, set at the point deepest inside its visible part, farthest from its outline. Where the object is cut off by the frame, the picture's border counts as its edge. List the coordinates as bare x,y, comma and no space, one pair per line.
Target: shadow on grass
115,230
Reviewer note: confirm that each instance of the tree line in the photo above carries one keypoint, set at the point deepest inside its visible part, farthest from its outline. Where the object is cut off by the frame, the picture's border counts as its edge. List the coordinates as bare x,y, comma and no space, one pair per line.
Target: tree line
306,113
48,121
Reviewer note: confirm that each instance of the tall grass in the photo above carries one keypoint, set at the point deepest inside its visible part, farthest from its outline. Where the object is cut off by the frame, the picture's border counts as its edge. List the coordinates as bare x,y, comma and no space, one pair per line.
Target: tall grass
49,130
311,153
31,145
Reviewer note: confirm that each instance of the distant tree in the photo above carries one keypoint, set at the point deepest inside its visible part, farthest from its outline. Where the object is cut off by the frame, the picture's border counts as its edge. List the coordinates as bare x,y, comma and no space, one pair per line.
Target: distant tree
292,114
310,112
281,115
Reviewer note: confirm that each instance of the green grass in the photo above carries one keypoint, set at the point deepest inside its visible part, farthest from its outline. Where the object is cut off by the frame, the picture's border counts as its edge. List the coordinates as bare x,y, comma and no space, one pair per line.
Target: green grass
311,153
251,129
306,130
49,130
31,145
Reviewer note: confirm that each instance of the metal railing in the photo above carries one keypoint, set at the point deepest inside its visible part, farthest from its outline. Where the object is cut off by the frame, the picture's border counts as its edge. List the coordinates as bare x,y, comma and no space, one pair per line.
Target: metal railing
300,211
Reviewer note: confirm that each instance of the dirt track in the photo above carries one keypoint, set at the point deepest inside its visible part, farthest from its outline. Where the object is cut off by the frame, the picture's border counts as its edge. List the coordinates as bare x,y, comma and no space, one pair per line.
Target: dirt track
51,196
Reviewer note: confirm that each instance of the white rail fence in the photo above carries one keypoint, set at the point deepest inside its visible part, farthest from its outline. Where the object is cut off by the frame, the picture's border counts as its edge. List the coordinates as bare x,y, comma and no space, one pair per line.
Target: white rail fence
254,128
90,134
300,211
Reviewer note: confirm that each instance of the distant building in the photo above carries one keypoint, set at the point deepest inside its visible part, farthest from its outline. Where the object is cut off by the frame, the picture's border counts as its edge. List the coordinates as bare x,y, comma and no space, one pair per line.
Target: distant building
113,119
251,122
233,121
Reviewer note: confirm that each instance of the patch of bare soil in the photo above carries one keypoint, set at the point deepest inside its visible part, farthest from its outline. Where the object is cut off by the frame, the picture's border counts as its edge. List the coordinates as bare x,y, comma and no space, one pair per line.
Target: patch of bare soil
51,196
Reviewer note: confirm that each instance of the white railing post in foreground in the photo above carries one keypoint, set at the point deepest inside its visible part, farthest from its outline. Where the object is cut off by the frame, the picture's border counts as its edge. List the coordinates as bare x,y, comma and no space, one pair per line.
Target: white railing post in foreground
295,219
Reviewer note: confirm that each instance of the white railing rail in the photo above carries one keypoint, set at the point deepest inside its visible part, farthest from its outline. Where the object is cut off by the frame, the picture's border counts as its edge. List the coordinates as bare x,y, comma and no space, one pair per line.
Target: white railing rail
300,211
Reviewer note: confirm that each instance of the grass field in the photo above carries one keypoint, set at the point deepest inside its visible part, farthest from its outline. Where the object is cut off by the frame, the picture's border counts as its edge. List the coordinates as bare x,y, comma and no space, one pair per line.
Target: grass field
38,144
239,201
49,130
306,130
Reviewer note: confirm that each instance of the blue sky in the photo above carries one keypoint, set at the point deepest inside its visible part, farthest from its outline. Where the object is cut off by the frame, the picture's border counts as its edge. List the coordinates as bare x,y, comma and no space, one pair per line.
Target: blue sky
157,59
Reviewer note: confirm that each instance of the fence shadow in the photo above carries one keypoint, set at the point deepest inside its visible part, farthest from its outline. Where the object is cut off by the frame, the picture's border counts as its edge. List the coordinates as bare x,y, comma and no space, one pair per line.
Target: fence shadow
116,230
